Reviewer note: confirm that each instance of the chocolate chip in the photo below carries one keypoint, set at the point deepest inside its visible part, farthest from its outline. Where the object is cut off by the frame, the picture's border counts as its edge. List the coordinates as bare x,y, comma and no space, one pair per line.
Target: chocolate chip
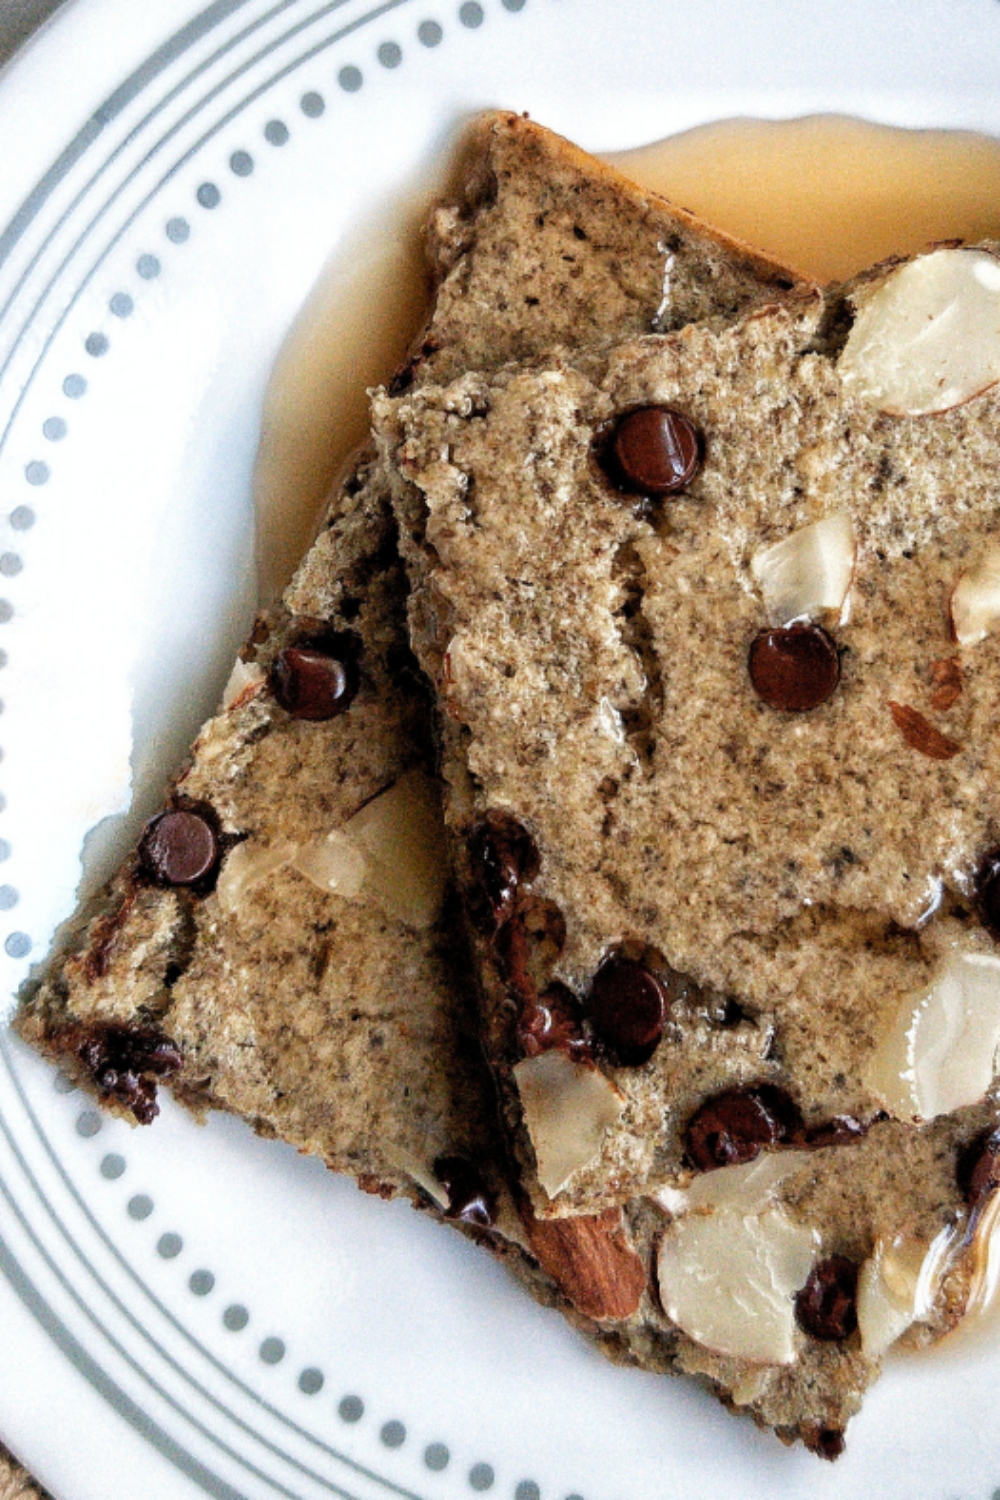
311,683
627,1006
179,847
120,1060
795,668
502,854
469,1199
827,1306
736,1125
987,892
652,450
978,1168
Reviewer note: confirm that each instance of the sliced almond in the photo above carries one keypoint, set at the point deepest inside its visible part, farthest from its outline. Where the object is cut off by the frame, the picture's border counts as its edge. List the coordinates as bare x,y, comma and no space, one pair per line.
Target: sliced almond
928,337
334,863
415,1168
246,866
748,1188
985,1274
391,852
402,836
809,572
245,682
959,1281
940,1053
729,1281
889,1293
591,1261
975,601
567,1106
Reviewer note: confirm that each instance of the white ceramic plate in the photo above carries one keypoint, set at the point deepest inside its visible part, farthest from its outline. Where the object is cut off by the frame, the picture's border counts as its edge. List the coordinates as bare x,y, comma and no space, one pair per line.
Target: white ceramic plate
185,1311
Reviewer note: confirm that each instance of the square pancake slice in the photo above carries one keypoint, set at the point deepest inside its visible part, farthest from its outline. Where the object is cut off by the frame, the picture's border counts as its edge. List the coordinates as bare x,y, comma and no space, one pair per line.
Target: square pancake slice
285,942
712,618
282,943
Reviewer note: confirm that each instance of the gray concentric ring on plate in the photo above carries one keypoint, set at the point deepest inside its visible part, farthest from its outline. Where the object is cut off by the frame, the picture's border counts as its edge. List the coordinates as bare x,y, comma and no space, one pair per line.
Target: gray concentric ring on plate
99,214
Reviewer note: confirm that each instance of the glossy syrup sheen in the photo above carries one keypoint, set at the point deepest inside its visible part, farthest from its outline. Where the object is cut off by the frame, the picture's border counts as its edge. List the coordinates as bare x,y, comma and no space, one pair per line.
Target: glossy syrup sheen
826,194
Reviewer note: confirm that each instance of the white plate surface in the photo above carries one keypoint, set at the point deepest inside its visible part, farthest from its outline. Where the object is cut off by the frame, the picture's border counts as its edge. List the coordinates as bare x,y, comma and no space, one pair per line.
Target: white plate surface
192,1311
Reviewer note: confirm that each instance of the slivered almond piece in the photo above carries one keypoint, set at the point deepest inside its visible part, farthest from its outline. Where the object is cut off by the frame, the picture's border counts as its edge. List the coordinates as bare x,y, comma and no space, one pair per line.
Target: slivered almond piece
947,677
920,734
975,600
729,1280
927,338
940,1052
809,572
591,1261
246,681
567,1108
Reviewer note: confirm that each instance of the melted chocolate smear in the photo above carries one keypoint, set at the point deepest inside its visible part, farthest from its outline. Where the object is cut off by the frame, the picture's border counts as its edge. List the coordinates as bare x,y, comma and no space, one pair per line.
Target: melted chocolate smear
827,1306
469,1199
554,1020
794,669
627,1007
736,1125
842,1130
511,950
978,1169
502,854
120,1060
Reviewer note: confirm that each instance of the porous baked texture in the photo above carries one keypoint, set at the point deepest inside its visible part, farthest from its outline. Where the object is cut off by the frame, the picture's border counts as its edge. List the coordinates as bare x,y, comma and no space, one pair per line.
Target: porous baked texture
596,688
314,1017
15,1484
320,1019
548,246
326,1021
792,877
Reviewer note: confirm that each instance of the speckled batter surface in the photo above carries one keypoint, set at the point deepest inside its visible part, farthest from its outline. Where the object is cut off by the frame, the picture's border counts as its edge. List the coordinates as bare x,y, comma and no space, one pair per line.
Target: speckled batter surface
322,1020
799,874
785,861
15,1484
317,1018
780,860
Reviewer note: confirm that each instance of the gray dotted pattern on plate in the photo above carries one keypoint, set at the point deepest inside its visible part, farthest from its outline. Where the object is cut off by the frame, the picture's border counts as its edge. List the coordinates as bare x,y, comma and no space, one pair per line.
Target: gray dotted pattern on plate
436,1457
169,1245
121,304
272,1350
